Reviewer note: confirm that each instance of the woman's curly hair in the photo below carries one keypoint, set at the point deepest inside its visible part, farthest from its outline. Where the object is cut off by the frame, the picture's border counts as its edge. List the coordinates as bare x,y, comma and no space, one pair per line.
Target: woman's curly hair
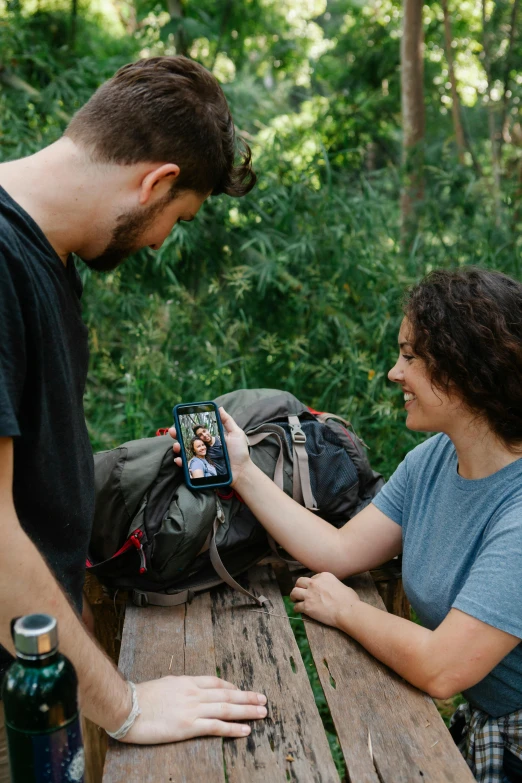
467,327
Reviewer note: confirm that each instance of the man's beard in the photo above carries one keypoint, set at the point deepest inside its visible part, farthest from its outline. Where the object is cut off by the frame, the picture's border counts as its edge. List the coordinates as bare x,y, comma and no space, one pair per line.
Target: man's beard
125,237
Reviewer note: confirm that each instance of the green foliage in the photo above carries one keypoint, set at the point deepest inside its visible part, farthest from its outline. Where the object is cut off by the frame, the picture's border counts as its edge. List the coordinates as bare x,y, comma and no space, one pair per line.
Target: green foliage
298,285
36,48
295,286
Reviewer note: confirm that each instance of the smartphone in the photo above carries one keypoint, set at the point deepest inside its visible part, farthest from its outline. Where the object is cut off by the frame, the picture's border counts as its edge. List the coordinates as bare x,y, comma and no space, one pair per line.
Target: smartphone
203,449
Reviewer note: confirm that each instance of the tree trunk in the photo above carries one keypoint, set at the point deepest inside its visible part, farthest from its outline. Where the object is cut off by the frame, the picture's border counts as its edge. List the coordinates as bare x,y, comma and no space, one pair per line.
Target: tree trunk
504,120
222,30
413,116
74,20
455,107
177,11
494,134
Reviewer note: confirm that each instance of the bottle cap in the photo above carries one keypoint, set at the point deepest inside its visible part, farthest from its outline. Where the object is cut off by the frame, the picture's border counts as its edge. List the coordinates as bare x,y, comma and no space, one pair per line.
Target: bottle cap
35,634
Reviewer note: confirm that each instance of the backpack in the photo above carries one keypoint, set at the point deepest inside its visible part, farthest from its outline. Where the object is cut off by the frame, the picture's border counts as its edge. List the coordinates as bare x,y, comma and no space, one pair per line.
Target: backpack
154,536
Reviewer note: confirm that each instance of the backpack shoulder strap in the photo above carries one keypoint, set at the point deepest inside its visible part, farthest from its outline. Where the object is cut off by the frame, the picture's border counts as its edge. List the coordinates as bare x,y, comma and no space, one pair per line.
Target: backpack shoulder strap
302,489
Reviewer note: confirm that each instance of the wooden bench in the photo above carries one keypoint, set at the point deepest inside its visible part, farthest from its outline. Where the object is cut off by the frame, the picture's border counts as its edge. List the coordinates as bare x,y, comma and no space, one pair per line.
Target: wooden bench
389,732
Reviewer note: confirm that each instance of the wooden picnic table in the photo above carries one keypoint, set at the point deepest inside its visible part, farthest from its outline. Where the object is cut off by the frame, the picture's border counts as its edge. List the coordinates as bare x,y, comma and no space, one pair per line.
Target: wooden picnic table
388,731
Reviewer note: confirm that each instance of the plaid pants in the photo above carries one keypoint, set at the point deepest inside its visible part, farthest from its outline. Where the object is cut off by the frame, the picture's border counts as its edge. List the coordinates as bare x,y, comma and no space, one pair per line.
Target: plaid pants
484,740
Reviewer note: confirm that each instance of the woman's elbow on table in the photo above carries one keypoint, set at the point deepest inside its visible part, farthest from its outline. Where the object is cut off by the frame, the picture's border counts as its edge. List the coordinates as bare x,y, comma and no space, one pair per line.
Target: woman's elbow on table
442,687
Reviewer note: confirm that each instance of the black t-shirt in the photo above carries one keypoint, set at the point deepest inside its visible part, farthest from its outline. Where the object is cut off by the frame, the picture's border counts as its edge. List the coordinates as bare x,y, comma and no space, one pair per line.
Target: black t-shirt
216,456
43,368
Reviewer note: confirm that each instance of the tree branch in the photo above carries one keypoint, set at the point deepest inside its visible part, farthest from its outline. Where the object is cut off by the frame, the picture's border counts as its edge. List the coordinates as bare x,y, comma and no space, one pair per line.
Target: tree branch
16,83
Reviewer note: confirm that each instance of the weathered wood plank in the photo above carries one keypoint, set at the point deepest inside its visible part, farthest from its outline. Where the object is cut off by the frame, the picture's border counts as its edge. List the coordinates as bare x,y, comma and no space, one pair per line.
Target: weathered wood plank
107,614
388,581
389,731
258,652
393,596
153,646
95,746
206,754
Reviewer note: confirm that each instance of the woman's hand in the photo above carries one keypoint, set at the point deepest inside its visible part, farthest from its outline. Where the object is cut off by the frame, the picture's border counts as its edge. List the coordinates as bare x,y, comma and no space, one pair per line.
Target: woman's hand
237,445
236,442
323,597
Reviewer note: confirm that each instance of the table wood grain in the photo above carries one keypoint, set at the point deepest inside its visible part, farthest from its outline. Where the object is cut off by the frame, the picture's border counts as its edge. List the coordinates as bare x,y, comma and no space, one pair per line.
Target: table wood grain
389,731
259,652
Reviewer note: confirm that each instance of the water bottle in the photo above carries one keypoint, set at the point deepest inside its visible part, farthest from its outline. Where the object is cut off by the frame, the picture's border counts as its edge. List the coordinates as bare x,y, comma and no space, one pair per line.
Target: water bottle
41,708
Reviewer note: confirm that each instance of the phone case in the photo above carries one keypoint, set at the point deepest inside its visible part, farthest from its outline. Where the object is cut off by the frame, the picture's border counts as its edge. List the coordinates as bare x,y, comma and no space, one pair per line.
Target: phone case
188,480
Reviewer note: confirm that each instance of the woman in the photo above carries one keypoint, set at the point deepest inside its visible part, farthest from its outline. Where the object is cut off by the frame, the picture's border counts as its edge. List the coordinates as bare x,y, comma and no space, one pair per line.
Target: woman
199,467
453,508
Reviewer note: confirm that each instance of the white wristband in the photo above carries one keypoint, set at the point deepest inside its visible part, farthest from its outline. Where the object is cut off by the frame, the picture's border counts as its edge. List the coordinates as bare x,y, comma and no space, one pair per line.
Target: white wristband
133,714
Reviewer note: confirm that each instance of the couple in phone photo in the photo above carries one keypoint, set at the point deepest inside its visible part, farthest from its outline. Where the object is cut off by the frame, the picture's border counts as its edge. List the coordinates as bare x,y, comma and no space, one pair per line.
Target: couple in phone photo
208,458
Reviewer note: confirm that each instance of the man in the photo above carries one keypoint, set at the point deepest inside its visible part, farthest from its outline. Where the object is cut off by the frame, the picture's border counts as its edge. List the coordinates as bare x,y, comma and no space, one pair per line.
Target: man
214,449
143,154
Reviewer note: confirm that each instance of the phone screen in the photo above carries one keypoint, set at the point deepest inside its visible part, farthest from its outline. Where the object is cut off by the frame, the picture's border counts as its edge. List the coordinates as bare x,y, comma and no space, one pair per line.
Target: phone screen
200,434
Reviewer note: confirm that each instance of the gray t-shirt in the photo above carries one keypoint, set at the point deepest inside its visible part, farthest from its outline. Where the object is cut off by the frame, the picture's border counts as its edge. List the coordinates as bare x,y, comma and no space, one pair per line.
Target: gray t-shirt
197,463
462,548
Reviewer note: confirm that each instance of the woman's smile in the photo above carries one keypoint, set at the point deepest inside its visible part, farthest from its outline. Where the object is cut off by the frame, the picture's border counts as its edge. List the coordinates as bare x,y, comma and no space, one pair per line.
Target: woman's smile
409,397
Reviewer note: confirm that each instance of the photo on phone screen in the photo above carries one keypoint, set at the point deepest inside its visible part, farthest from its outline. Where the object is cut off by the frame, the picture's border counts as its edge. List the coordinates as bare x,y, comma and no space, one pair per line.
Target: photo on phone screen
200,434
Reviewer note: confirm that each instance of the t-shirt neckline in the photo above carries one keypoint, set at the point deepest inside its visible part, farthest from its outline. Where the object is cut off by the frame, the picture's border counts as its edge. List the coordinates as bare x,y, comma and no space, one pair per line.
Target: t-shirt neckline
470,485
34,225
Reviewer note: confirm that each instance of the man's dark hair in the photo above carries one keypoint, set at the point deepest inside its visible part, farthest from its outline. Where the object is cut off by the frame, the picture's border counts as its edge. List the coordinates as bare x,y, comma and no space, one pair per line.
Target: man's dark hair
198,427
467,327
166,110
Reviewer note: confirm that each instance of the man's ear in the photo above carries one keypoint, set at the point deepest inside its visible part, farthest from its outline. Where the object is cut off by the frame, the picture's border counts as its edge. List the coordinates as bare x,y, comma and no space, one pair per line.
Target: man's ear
156,183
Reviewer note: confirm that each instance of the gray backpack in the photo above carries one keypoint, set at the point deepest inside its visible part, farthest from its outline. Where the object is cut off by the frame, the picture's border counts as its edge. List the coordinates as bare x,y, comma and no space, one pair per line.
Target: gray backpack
154,536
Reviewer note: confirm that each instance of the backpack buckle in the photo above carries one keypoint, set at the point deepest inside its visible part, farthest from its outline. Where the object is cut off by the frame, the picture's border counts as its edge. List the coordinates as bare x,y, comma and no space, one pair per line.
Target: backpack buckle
297,433
139,598
220,514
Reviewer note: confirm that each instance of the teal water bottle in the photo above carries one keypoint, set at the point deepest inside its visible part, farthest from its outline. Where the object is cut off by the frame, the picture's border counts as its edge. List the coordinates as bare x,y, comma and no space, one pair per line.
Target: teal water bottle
41,707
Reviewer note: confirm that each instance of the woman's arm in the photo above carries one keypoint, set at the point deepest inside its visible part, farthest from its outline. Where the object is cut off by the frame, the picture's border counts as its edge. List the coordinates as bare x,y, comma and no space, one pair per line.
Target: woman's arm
368,540
193,470
457,655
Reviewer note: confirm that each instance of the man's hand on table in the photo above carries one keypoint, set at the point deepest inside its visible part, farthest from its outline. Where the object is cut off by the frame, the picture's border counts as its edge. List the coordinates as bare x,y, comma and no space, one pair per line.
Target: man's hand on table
180,708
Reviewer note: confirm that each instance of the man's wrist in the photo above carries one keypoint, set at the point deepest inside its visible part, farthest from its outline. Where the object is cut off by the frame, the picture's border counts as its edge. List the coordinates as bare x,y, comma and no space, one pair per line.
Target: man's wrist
130,720
123,709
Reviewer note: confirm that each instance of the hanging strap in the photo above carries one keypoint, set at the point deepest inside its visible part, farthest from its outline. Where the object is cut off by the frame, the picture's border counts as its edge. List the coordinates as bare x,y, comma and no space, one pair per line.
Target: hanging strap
253,439
302,489
272,431
217,563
